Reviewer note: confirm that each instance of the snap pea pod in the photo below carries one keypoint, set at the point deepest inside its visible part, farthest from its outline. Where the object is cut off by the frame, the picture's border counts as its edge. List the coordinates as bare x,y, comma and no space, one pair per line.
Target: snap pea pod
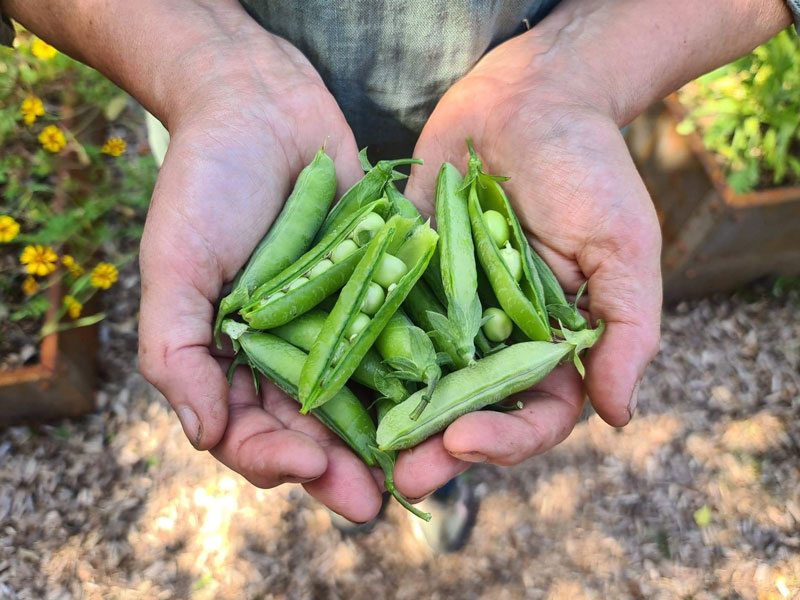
368,189
556,302
400,204
489,380
370,372
348,332
410,352
281,363
305,283
458,270
289,236
511,273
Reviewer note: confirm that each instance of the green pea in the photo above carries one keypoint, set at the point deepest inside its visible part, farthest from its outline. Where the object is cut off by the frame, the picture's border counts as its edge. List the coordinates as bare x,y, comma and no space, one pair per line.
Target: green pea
497,226
296,283
367,229
389,271
320,268
357,326
273,297
513,261
373,299
343,250
499,326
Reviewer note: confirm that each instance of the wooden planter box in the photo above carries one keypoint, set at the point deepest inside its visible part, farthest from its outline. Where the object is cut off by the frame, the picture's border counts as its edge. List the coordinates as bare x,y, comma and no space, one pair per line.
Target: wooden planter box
61,384
714,239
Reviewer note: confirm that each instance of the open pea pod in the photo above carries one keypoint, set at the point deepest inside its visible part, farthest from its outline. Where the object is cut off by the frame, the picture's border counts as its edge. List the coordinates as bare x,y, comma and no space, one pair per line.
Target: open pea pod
517,286
367,189
348,333
370,372
304,284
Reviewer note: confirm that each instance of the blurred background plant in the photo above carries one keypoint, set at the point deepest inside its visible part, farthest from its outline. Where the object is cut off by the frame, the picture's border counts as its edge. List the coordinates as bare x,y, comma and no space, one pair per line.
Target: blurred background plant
748,113
75,183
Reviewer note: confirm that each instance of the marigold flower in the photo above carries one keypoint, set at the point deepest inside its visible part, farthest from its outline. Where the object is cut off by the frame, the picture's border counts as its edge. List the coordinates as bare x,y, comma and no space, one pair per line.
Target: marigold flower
43,50
30,286
52,139
40,260
104,275
31,108
9,228
114,146
74,307
73,267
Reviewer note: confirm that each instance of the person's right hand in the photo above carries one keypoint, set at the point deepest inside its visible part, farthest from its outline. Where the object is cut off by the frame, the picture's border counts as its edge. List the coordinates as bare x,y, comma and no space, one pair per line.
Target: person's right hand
248,115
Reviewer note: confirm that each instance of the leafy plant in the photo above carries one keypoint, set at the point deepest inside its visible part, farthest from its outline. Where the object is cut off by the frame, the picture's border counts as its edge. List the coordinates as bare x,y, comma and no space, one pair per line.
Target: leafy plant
73,194
748,113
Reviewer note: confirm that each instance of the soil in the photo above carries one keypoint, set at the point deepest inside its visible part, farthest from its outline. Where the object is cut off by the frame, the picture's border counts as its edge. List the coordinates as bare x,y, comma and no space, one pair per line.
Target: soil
699,497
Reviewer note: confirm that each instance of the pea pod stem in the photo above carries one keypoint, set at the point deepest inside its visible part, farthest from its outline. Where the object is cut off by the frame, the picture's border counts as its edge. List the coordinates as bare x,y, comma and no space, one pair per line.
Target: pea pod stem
289,236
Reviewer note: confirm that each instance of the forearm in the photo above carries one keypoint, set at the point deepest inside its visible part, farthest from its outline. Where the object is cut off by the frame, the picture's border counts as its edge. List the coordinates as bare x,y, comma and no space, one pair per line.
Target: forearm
633,52
142,46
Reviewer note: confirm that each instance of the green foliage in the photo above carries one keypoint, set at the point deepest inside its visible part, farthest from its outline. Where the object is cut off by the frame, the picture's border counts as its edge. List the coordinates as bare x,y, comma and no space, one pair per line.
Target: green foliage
79,201
748,113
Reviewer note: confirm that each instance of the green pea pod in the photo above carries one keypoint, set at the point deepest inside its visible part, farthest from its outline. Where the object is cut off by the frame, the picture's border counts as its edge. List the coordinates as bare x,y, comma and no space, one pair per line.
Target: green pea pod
368,189
282,363
400,204
410,352
288,237
556,302
267,311
488,381
459,273
522,301
371,372
339,348
344,414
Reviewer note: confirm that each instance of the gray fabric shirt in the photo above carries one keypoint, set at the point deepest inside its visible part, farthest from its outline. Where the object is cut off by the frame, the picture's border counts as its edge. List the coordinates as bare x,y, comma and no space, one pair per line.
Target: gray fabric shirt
388,63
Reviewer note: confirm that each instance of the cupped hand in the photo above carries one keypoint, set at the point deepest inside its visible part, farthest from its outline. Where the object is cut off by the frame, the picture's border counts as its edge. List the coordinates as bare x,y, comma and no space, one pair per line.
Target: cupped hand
253,114
586,211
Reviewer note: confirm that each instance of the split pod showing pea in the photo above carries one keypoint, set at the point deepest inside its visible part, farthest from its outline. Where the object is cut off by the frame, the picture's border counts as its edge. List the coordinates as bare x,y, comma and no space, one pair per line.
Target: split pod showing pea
317,274
395,260
504,253
289,236
488,381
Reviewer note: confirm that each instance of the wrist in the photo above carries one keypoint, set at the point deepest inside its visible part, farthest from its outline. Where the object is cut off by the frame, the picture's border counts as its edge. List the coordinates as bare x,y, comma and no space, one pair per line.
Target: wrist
620,56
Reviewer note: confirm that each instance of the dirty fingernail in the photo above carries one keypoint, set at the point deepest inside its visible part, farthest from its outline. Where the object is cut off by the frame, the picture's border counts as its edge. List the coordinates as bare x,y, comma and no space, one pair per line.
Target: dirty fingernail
421,498
191,424
634,400
475,457
296,479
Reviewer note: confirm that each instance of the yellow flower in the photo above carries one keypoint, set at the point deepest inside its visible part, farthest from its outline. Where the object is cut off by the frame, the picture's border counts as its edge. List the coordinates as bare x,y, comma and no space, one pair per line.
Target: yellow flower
41,260
9,228
31,108
74,307
43,50
73,267
52,139
29,286
114,146
103,276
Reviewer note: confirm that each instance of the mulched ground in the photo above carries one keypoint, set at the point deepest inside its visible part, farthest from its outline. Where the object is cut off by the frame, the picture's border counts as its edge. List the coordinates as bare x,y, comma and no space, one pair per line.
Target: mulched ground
698,498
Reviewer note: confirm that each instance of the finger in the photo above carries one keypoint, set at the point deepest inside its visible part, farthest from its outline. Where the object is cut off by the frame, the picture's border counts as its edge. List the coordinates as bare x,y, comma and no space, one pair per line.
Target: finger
507,438
425,468
347,487
257,446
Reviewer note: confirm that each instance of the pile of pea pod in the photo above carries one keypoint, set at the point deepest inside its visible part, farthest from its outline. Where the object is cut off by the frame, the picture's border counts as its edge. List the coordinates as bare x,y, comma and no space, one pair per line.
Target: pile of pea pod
425,325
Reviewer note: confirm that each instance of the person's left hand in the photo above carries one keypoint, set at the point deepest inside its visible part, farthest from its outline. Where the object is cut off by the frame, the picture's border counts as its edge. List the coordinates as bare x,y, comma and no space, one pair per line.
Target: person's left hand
551,128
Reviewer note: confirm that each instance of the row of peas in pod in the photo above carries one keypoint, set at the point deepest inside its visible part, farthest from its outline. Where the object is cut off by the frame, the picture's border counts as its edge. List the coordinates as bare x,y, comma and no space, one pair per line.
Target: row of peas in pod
387,330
